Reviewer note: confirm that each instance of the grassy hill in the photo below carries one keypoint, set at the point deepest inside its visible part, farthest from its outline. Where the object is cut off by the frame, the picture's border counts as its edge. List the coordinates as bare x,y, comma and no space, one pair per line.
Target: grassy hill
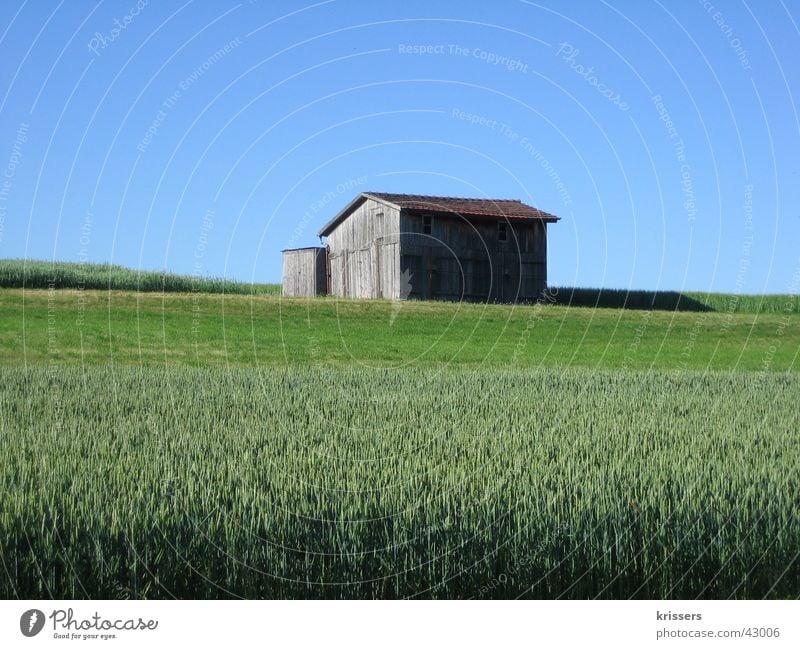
92,314
90,327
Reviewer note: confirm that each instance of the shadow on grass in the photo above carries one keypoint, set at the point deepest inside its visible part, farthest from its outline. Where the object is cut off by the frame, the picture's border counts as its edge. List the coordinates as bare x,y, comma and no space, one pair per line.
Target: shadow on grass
622,299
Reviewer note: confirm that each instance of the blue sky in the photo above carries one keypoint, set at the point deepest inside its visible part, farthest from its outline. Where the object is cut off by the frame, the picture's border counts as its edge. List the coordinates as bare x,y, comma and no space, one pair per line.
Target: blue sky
204,137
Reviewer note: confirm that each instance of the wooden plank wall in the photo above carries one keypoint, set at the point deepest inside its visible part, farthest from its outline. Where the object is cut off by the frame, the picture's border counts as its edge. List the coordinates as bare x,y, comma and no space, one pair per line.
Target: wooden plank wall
304,272
365,253
389,256
465,260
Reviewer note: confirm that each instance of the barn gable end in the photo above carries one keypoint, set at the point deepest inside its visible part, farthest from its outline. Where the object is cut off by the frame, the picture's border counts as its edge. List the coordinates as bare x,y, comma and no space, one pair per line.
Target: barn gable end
364,252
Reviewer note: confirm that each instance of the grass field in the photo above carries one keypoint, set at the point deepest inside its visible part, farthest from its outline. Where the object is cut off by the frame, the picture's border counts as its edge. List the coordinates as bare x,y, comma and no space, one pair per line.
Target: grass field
180,443
340,482
154,329
18,273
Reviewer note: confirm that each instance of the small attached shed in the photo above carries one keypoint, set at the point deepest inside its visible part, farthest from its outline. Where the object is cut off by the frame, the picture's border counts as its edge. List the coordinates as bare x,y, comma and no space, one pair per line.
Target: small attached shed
305,272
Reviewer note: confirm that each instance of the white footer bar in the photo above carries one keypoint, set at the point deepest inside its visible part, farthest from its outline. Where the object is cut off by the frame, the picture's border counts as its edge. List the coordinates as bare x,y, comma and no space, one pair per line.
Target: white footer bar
387,624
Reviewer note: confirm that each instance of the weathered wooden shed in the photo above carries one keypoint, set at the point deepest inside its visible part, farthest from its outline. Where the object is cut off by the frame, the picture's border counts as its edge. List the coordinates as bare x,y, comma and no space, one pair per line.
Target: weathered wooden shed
305,271
399,246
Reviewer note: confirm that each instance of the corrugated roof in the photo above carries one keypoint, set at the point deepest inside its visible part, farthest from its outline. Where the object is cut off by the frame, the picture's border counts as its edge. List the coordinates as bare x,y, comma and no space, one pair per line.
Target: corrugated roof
498,208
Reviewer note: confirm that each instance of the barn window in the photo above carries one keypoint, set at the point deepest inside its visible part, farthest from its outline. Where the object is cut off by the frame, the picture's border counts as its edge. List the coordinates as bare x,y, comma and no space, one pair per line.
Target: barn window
502,231
427,223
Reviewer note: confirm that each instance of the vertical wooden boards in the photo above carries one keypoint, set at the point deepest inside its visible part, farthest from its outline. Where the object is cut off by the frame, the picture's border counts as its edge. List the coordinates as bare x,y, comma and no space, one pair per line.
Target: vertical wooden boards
304,272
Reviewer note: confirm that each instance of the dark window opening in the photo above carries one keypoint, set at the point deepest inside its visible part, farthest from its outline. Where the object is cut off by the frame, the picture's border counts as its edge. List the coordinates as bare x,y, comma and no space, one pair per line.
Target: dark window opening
502,231
427,223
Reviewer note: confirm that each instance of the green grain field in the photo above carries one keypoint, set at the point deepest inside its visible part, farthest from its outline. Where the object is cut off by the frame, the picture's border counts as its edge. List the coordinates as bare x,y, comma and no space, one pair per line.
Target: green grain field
182,443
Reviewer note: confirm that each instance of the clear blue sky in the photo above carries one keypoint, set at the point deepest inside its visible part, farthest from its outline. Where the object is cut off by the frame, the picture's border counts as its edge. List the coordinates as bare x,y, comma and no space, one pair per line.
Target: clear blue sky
204,137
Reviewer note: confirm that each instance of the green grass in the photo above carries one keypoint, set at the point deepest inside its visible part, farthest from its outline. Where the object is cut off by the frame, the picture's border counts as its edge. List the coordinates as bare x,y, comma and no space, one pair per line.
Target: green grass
155,329
346,482
19,273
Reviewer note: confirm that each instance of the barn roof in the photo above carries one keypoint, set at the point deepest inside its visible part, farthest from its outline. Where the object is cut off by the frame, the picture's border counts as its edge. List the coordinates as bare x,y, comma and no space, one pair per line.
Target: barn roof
303,248
496,208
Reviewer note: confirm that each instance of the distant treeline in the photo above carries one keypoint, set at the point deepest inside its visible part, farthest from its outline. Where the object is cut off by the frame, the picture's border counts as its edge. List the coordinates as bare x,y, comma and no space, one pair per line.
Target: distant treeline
18,273
672,300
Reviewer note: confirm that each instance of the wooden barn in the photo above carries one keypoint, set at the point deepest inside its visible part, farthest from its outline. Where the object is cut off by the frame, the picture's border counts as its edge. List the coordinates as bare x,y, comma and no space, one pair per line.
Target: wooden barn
399,246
